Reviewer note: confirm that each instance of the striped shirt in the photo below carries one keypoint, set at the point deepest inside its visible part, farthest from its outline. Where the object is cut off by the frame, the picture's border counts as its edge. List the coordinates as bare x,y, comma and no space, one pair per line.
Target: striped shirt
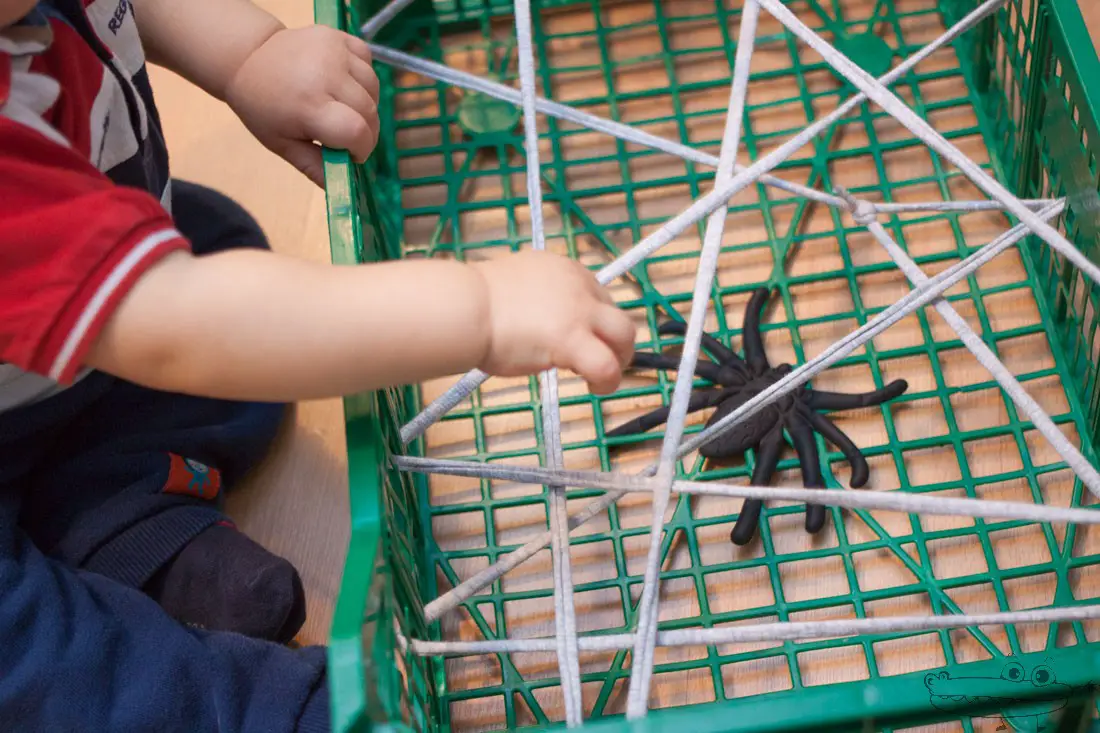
84,187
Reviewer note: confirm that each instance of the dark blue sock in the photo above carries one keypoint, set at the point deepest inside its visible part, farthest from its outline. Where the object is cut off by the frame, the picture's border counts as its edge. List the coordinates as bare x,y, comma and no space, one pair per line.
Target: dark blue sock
224,581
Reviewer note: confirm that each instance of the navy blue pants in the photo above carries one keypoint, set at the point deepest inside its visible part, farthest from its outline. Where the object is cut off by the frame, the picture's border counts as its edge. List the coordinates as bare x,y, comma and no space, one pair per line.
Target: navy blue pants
100,486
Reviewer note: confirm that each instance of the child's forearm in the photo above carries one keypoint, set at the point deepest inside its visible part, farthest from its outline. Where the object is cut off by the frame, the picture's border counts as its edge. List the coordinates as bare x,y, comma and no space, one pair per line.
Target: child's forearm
252,325
204,41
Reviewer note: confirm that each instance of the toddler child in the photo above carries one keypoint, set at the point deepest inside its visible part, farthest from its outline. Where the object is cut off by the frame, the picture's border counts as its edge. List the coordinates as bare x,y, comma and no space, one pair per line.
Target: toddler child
149,338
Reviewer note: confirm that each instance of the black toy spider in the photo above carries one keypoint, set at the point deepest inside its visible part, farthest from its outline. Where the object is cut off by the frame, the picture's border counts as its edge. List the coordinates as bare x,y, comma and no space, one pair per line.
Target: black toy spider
735,381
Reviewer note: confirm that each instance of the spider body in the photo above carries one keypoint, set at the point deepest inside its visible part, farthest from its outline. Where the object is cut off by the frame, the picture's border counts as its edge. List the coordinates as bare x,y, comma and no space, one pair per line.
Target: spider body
735,380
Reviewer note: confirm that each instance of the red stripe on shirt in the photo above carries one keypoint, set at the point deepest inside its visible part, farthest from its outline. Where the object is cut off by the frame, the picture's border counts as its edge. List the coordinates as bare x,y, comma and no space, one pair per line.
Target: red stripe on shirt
65,228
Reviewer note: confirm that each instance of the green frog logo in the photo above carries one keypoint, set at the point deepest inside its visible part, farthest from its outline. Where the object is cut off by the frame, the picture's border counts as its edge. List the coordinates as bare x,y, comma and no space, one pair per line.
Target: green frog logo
1024,714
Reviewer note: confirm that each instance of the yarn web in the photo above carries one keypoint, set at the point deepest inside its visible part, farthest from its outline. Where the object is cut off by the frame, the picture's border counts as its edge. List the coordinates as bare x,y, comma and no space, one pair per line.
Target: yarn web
659,479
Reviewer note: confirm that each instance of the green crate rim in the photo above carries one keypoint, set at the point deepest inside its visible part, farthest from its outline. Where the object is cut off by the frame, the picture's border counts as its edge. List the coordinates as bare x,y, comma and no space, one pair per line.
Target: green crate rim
355,696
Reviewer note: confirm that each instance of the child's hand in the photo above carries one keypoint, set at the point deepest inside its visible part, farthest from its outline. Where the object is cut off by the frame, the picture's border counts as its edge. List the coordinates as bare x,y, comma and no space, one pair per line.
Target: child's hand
548,311
306,85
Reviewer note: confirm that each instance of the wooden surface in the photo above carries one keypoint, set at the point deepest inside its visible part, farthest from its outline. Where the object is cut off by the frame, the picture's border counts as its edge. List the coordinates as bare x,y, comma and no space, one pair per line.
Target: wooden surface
296,504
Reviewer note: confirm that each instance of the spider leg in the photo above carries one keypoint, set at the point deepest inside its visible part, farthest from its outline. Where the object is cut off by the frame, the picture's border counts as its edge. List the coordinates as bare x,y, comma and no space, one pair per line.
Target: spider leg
699,400
717,350
809,460
819,400
836,436
750,333
706,369
767,458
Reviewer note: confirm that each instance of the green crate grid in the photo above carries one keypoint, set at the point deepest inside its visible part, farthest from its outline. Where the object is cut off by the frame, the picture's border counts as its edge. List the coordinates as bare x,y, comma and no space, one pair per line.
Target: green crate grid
682,520
1070,291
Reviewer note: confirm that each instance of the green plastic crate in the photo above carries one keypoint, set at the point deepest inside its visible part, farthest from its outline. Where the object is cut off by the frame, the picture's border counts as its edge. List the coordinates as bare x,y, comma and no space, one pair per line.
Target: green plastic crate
1030,74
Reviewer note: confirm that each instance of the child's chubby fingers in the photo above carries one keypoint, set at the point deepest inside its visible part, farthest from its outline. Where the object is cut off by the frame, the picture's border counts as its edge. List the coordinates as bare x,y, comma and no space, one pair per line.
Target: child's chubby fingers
336,125
363,74
616,330
360,65
351,92
595,362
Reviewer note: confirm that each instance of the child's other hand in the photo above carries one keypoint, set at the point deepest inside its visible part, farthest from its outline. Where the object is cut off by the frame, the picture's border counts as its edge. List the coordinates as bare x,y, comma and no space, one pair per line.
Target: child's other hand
548,311
306,85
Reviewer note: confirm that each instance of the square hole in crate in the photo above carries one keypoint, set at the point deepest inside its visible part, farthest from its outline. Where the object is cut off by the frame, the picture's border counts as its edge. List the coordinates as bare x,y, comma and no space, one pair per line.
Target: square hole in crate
882,289
919,419
817,337
935,465
1012,309
924,238
915,370
478,714
490,224
823,577
745,225
1030,591
461,531
1085,582
863,249
827,297
814,256
679,599
978,410
573,86
756,676
699,66
830,666
909,654
913,604
730,591
882,568
741,266
904,334
472,673
957,557
683,687
788,534
1026,354
908,164
714,543
854,172
465,567
515,525
1019,547
1005,269
993,456
592,562
961,369
449,439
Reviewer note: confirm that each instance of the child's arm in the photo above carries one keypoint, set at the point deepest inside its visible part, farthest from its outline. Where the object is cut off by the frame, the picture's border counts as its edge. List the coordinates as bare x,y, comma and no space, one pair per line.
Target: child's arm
291,88
260,326
95,274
